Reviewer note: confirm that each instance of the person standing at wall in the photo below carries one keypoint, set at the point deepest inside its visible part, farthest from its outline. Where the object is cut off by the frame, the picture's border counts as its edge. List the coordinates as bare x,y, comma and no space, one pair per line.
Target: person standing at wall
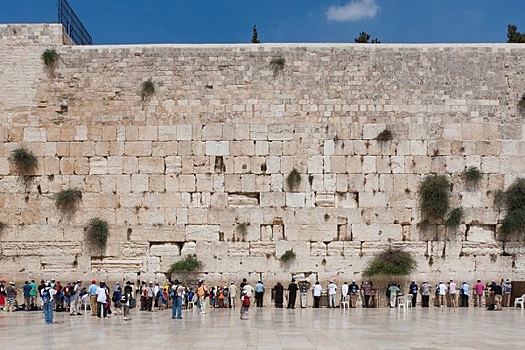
425,294
465,290
126,299
498,297
393,291
304,294
278,295
292,294
332,290
354,292
177,293
26,290
413,290
366,288
479,288
442,292
102,298
202,293
74,299
259,293
10,292
452,294
507,289
92,289
317,291
232,292
47,295
2,295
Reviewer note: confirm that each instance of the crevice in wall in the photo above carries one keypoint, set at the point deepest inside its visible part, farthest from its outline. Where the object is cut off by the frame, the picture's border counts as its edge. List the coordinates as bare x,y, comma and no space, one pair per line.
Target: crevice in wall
219,167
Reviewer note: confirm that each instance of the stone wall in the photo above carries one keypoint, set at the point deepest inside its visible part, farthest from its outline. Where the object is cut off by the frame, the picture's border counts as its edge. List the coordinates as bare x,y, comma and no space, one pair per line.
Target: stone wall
185,171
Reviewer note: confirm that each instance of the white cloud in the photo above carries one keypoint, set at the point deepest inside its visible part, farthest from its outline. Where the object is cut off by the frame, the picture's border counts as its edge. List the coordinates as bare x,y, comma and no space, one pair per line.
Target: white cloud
353,11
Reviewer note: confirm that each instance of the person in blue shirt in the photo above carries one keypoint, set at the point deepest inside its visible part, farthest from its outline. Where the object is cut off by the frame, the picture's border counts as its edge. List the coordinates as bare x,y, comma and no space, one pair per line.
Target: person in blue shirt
259,293
26,289
413,290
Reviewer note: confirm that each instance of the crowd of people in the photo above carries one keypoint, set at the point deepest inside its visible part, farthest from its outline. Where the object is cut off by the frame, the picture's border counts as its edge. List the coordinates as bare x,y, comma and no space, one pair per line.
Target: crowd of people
103,301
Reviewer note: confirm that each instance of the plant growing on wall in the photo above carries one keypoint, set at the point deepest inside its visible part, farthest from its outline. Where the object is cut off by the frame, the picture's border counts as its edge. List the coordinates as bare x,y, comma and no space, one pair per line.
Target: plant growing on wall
147,90
97,233
391,262
2,227
189,264
513,201
293,180
277,65
454,218
287,256
434,194
50,57
24,161
385,136
68,200
472,176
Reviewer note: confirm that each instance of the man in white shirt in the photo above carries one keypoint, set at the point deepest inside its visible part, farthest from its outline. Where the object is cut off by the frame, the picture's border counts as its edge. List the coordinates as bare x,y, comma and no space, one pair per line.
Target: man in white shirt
248,289
442,291
344,291
332,290
101,301
317,291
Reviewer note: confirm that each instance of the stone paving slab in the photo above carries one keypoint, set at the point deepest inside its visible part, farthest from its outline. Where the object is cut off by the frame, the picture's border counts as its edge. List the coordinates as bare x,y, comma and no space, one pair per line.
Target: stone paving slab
267,328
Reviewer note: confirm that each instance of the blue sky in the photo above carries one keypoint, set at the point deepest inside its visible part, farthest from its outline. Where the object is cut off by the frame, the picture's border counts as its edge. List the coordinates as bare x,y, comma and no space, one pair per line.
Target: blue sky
229,21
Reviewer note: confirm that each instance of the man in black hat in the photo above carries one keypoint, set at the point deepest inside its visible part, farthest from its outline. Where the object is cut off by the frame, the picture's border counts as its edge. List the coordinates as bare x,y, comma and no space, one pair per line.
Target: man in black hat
292,294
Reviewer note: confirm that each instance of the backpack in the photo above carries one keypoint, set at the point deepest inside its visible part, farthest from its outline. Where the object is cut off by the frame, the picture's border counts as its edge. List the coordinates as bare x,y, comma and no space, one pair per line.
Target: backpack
124,298
46,296
246,301
159,294
115,297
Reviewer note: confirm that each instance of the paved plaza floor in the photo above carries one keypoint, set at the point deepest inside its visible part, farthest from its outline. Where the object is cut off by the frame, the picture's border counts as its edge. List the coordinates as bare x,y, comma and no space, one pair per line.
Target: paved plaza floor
269,328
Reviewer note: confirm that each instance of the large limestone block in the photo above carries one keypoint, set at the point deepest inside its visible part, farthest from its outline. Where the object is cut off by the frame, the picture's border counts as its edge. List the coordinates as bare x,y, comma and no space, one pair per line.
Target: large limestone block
189,248
134,249
481,248
295,200
217,148
238,249
116,265
260,248
482,234
167,249
35,134
202,232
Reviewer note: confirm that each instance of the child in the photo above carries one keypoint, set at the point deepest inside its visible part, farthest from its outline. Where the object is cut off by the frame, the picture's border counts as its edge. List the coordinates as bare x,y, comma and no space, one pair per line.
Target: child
245,302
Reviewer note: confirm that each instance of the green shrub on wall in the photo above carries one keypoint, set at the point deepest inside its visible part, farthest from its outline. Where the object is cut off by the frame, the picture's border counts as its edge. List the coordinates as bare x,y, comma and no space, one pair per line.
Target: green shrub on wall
391,262
287,256
293,180
24,161
454,218
147,90
513,201
188,264
97,233
68,200
472,176
50,57
434,195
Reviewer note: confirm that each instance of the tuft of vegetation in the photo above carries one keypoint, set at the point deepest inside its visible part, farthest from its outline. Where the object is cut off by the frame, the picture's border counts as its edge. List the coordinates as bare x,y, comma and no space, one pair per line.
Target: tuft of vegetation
2,227
434,194
513,201
513,36
293,180
472,176
255,35
68,200
391,262
50,57
188,264
277,64
97,233
287,256
147,90
385,135
24,161
454,218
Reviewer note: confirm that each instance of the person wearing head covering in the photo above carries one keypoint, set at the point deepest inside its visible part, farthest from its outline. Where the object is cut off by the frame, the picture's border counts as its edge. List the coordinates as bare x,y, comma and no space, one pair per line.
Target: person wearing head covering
507,289
177,292
202,293
48,295
425,294
292,294
479,288
354,292
317,292
412,289
74,308
102,298
10,292
332,292
150,295
464,290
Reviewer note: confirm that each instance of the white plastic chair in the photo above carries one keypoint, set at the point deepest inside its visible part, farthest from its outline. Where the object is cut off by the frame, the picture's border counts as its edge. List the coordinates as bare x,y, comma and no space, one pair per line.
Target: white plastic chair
85,302
401,303
345,304
520,302
191,304
409,300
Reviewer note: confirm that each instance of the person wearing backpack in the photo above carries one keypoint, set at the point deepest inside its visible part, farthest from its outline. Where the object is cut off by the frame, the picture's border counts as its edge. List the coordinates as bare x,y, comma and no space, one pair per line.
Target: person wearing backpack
47,294
177,293
245,302
74,291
